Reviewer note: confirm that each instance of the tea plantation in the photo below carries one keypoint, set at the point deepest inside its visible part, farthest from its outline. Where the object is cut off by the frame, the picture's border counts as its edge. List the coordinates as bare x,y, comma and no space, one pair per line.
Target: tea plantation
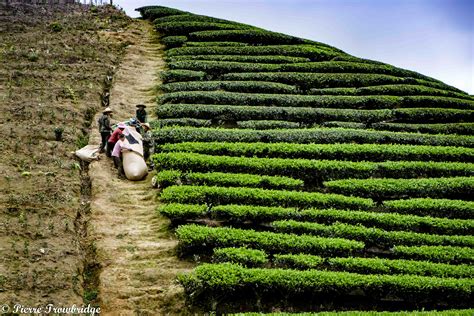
302,178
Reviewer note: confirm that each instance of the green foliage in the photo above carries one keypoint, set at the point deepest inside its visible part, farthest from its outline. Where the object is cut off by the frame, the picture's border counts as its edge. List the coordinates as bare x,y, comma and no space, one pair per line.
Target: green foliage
311,171
182,212
375,266
32,56
326,67
153,12
261,125
277,59
206,44
353,152
353,125
293,100
172,177
404,90
195,238
261,214
305,116
428,115
190,18
232,86
307,136
181,75
56,26
432,207
456,188
371,236
247,36
166,178
332,91
272,97
307,81
443,128
244,256
186,27
228,280
174,41
450,254
222,67
390,221
298,261
180,122
314,53
253,196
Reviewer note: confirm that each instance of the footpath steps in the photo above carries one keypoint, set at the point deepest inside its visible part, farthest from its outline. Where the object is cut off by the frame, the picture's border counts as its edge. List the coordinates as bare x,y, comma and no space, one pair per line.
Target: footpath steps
136,254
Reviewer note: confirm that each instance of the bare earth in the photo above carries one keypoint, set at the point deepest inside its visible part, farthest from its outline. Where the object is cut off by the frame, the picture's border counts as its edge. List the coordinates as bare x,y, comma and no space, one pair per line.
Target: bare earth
134,248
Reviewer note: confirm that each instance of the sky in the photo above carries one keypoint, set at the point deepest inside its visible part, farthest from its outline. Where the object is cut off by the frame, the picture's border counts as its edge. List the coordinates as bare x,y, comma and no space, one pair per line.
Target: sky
433,37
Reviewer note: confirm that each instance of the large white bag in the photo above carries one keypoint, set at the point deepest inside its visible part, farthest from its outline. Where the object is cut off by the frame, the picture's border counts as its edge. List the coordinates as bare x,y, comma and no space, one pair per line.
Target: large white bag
88,153
133,163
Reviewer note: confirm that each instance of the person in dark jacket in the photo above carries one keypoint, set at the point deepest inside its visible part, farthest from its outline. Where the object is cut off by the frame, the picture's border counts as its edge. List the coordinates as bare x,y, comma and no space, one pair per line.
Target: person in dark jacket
141,114
147,141
105,128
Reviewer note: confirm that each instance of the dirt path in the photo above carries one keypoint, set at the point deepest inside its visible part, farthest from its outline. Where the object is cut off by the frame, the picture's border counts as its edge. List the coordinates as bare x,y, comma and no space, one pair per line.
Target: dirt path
135,251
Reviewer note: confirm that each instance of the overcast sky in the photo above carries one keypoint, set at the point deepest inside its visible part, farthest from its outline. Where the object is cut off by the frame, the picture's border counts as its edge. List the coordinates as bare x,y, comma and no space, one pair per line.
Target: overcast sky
433,37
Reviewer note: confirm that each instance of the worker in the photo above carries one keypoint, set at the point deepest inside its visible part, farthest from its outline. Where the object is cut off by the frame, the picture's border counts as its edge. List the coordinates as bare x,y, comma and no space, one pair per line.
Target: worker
147,140
114,138
135,125
141,114
120,146
105,128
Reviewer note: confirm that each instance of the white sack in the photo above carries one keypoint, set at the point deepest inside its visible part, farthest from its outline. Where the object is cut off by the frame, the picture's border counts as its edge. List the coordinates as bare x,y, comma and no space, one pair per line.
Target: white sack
88,153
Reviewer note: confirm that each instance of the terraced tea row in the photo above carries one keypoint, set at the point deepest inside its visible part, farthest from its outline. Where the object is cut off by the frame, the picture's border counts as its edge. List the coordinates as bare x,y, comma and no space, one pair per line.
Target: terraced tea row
315,101
308,117
313,172
307,136
257,258
179,213
245,138
352,152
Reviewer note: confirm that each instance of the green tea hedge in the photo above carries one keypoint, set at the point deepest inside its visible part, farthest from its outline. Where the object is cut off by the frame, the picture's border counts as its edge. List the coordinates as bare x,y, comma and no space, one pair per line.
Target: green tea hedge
276,59
252,196
186,27
306,136
432,207
234,113
181,75
311,171
450,254
228,280
262,214
194,238
232,86
314,53
374,266
228,180
244,256
353,152
371,236
443,128
457,188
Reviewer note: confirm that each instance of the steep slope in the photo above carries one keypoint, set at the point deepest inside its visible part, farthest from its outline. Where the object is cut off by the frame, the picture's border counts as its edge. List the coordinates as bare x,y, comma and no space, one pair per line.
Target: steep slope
336,182
53,65
134,251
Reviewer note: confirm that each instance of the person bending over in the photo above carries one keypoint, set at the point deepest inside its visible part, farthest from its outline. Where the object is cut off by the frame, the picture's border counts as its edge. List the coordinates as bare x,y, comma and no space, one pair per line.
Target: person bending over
120,146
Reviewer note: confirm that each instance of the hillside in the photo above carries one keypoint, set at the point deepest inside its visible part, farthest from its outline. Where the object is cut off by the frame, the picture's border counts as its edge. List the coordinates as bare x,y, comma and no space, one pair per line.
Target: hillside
289,175
54,65
300,178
